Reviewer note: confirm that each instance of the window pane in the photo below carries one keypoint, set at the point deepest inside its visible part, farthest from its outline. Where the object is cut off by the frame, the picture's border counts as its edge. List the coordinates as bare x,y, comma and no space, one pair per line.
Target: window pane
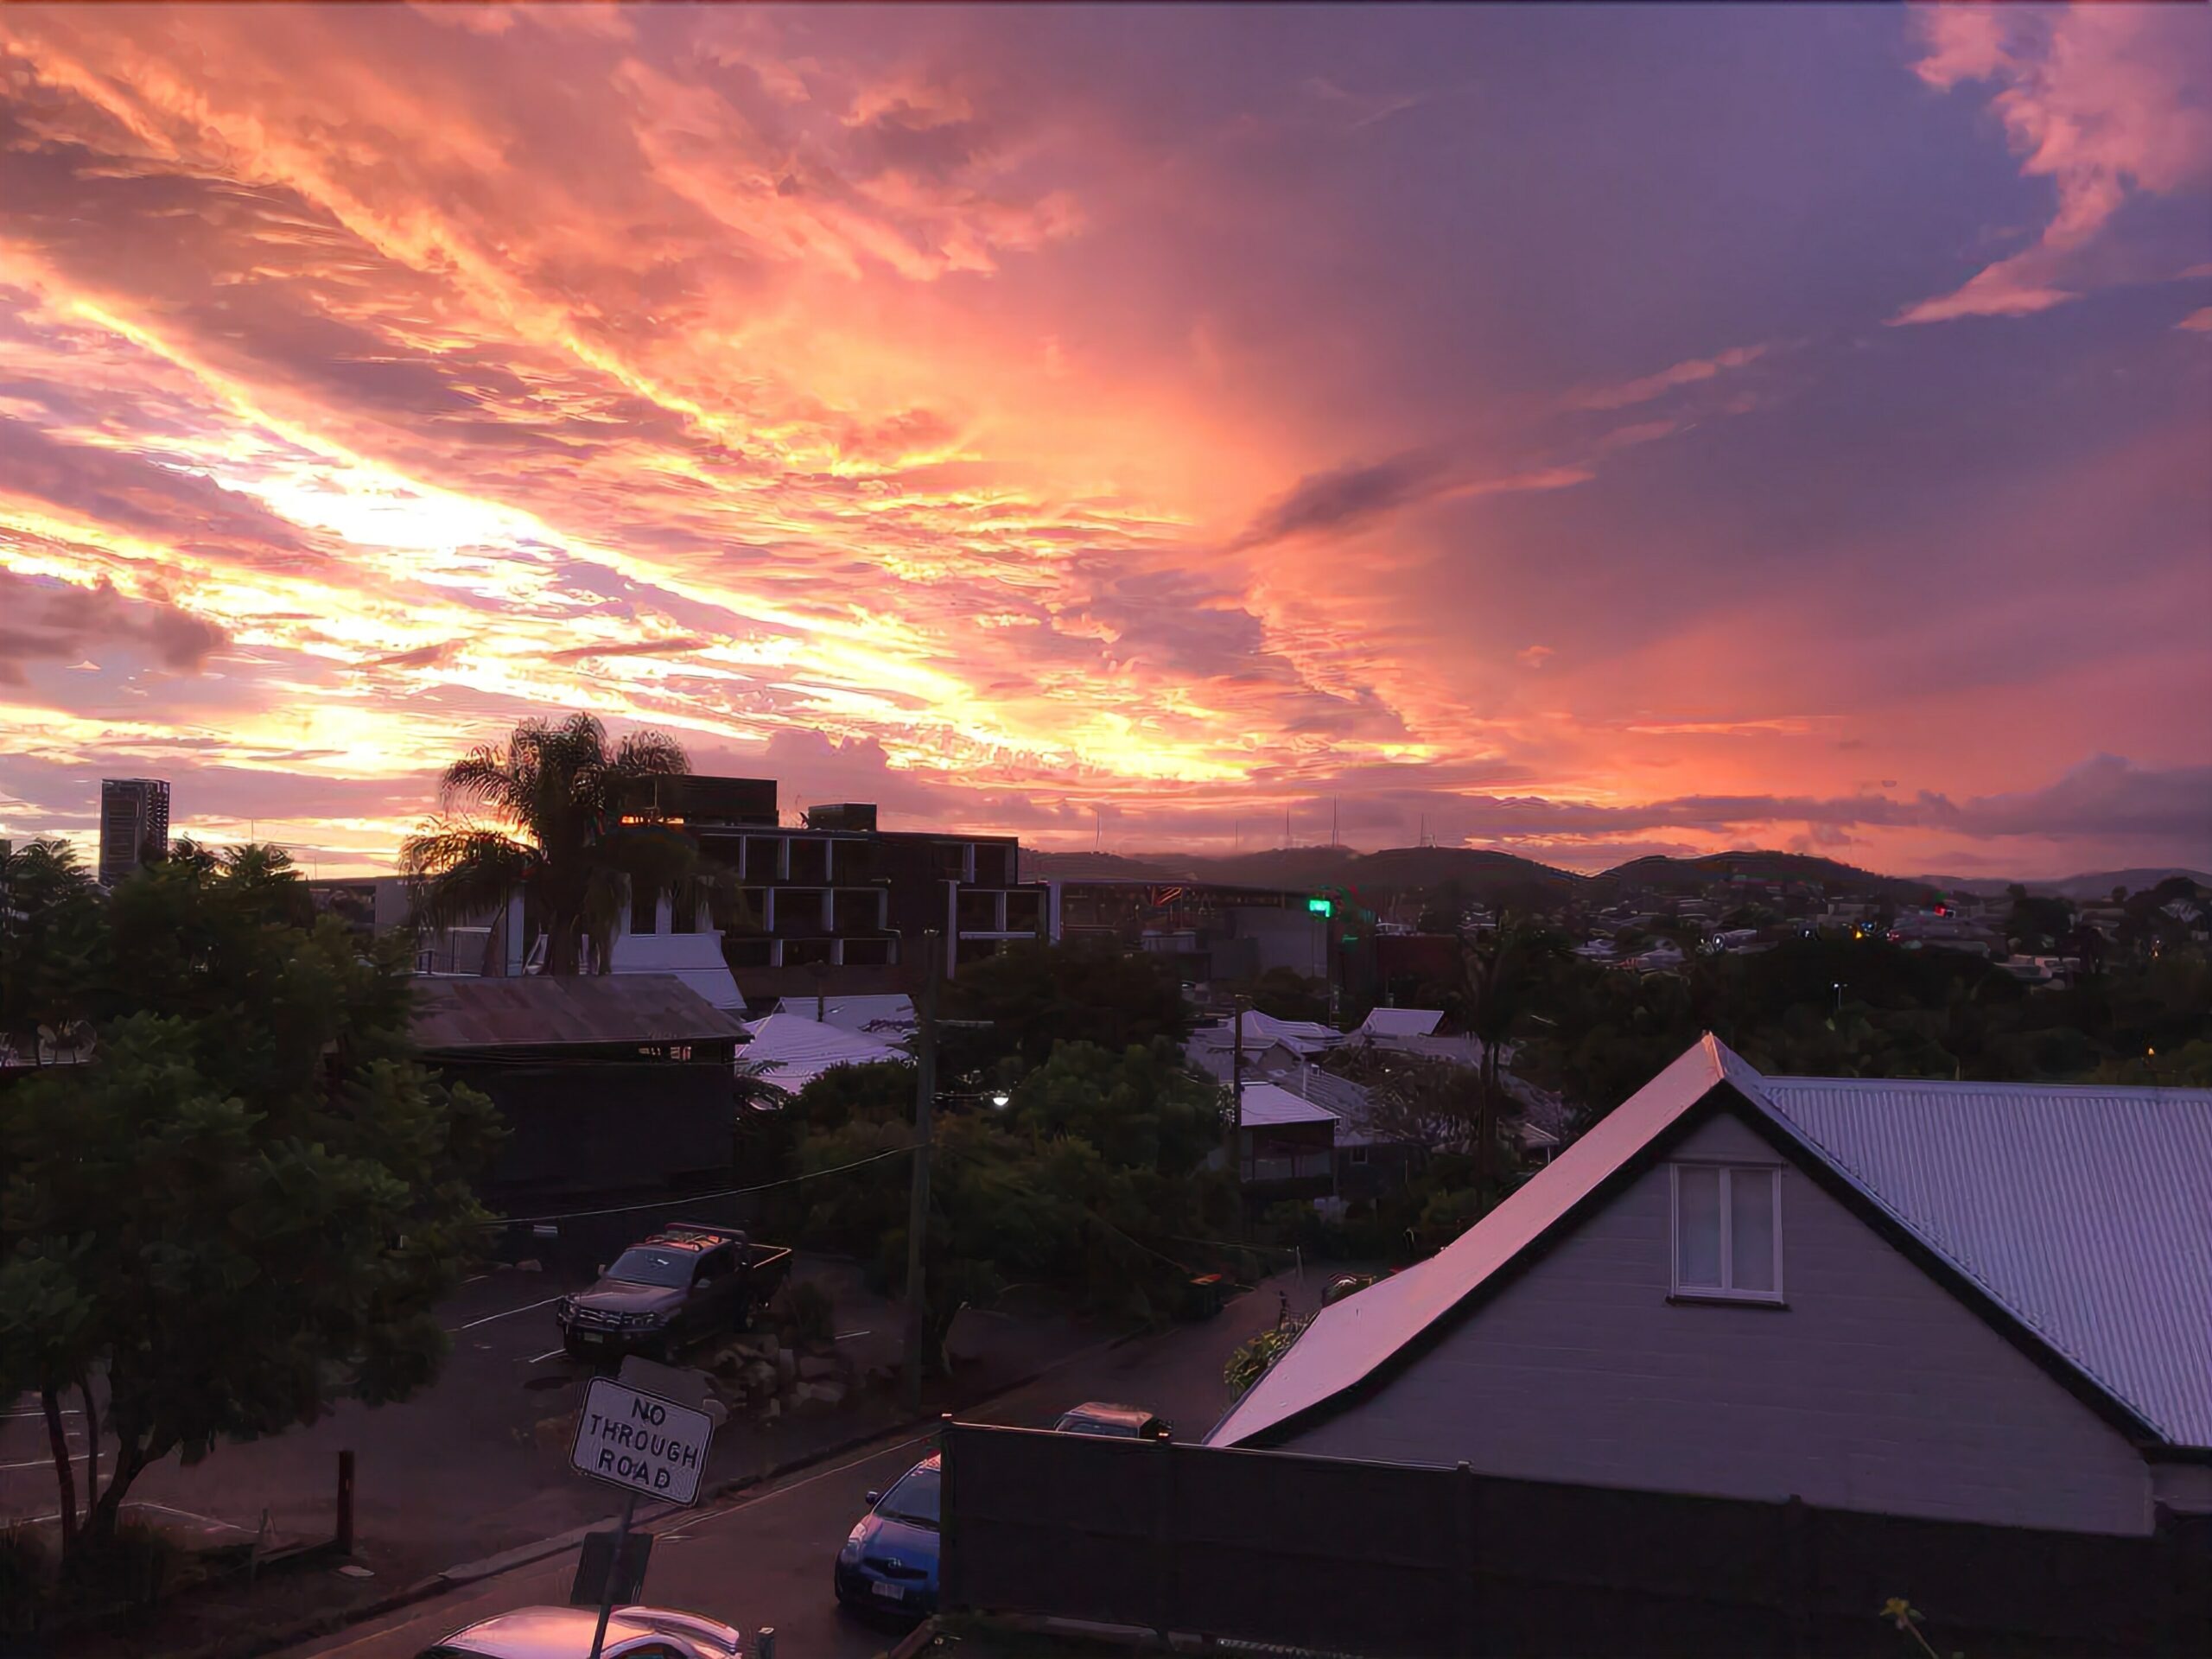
1697,1225
1751,1218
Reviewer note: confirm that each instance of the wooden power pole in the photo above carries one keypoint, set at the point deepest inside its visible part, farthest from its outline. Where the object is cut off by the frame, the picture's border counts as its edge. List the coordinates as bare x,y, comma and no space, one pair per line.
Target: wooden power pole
917,1208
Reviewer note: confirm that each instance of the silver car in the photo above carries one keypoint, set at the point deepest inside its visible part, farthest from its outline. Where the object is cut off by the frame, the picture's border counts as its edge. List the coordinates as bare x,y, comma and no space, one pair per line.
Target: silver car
566,1632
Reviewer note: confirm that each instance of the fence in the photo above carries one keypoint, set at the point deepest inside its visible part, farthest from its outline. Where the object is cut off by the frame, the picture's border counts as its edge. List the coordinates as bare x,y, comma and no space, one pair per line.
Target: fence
1378,1559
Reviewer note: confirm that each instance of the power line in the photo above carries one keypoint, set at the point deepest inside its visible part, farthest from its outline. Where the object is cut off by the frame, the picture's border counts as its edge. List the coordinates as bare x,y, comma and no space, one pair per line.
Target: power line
698,1198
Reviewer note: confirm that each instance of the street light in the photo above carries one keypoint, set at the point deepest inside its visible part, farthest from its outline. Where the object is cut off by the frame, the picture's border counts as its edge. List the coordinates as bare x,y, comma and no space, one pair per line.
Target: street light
1002,1101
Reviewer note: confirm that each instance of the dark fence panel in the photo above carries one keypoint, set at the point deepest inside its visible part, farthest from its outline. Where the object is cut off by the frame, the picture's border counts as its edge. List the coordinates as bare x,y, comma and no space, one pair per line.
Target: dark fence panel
1387,1560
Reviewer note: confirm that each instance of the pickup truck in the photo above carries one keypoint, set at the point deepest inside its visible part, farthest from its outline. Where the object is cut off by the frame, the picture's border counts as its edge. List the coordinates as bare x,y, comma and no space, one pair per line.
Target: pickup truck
683,1284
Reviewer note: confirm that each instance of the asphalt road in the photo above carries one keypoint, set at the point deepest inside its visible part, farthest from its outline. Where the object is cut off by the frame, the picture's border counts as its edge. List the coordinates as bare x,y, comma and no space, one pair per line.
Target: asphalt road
764,1558
473,1434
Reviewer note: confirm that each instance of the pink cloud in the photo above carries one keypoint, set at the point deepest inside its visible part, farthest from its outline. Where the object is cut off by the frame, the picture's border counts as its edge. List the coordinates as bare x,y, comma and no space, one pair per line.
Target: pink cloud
1689,373
2103,100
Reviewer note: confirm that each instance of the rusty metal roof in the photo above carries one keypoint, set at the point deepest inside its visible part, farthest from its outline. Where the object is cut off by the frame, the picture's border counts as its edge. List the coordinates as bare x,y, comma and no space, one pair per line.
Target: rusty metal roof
537,1012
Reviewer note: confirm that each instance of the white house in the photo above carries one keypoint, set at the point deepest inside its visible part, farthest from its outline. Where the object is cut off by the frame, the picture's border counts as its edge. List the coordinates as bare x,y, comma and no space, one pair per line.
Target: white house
1959,1300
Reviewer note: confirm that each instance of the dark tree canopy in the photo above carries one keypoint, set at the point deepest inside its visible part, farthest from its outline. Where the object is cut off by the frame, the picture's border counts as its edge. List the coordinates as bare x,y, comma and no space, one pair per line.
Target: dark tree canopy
241,1209
1035,996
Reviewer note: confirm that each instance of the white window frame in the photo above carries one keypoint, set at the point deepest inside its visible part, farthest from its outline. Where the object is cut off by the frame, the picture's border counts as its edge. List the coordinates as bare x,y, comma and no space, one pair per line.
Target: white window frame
1722,1293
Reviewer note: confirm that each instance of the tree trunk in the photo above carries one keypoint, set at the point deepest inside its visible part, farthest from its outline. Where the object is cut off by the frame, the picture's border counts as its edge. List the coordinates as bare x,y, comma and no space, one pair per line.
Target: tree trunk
563,937
495,939
101,1519
92,1441
1486,1127
64,1470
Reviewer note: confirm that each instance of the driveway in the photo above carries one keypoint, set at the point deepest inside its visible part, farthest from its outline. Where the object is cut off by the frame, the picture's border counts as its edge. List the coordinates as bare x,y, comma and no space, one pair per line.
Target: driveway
764,1558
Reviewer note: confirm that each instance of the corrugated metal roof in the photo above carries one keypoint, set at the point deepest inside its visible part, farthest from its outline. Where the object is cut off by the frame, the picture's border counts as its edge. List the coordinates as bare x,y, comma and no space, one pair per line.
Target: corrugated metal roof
863,1014
1401,1023
536,1011
2085,1211
1269,1105
1301,1036
802,1049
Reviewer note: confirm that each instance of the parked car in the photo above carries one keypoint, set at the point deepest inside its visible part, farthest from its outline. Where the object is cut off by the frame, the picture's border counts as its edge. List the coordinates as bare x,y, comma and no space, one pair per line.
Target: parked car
888,1563
685,1283
1113,1422
566,1633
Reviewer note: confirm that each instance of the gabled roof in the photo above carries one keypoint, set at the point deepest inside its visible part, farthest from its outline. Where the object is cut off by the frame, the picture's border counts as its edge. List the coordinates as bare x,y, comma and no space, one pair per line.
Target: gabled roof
802,1049
1400,1022
1301,1036
540,1011
2078,1221
868,1014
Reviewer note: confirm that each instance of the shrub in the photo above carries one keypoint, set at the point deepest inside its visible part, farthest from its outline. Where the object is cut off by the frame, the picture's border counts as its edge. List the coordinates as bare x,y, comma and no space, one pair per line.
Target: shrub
804,1311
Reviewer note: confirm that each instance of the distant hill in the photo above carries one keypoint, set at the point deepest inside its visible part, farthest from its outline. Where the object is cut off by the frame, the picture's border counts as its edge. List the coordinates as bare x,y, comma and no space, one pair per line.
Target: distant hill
2094,885
1099,867
1695,875
1495,877
1490,878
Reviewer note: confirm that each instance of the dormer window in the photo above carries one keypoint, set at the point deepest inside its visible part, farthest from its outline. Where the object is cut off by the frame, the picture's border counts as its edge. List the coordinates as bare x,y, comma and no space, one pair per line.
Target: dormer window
1728,1232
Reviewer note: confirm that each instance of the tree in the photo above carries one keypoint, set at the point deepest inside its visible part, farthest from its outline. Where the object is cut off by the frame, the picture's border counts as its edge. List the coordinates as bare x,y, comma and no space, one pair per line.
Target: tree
1504,977
1086,1182
1427,1103
555,797
242,1207
52,952
1035,995
1445,908
1286,993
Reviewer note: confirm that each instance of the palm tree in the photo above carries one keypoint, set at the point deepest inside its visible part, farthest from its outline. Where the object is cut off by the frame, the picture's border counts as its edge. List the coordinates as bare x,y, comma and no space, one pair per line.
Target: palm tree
1503,971
554,796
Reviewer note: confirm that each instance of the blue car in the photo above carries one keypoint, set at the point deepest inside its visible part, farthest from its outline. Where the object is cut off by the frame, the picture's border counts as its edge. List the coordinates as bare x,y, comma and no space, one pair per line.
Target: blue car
888,1564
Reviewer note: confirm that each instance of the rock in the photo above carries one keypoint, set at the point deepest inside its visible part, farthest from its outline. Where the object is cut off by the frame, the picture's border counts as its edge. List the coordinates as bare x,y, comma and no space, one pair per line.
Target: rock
769,1412
814,1370
786,1363
831,1392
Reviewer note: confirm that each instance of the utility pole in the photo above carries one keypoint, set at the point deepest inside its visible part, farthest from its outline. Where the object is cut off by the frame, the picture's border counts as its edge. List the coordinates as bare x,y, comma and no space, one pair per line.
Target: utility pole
917,1208
1237,1119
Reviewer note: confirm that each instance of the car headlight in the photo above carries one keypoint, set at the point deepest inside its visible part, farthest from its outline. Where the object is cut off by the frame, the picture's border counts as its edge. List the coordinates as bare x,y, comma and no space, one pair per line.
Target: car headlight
854,1541
566,1310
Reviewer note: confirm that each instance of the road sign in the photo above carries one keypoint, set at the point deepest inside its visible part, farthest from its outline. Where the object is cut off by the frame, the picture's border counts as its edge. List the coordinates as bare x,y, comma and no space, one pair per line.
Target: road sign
647,1445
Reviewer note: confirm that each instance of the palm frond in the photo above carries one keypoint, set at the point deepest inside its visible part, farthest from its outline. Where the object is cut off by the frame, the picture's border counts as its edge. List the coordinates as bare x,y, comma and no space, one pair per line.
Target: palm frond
462,873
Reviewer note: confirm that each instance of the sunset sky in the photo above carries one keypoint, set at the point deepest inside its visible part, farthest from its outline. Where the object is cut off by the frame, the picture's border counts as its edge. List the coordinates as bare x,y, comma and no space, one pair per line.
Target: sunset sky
1585,432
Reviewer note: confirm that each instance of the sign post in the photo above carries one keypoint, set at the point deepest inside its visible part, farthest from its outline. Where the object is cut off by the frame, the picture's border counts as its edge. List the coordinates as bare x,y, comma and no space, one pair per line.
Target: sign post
642,1443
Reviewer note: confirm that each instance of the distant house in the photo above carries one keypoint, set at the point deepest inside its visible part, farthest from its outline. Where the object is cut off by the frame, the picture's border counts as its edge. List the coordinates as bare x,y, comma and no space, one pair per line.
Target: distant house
1383,1023
1960,1301
1286,1145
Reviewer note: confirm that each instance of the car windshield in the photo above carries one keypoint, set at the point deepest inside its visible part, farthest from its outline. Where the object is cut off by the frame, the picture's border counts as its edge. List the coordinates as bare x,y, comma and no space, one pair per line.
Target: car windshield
643,1266
912,1499
1076,1423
